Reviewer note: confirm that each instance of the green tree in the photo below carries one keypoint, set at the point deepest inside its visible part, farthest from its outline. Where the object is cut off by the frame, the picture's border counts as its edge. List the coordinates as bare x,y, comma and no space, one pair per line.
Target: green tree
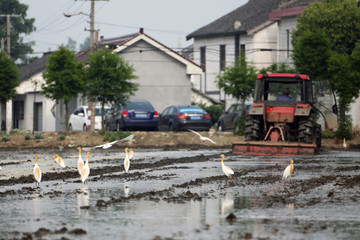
63,79
278,68
71,44
108,79
238,80
19,26
85,44
8,79
333,27
311,54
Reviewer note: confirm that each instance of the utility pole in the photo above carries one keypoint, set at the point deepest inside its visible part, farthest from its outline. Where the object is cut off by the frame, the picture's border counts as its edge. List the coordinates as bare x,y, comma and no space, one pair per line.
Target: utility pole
92,41
8,30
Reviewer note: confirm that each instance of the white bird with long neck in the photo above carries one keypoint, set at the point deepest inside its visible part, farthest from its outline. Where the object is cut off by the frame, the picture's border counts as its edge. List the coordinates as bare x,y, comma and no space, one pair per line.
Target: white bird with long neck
126,160
226,170
85,171
131,153
344,144
59,160
37,171
202,138
80,163
288,170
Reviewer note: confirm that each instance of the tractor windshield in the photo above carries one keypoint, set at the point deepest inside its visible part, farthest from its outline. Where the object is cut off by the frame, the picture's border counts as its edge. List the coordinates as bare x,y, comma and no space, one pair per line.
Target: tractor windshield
276,90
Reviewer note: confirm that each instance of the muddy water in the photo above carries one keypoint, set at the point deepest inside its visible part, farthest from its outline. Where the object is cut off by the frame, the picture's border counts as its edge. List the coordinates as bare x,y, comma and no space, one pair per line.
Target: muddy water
180,194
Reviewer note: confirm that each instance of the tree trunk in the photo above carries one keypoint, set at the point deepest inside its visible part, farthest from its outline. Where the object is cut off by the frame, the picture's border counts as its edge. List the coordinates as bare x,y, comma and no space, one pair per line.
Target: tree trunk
66,118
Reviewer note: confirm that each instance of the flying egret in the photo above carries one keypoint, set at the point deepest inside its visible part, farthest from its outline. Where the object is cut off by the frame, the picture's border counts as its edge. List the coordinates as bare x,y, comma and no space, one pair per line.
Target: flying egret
85,170
344,144
106,145
80,163
126,161
202,138
37,171
288,170
59,160
226,170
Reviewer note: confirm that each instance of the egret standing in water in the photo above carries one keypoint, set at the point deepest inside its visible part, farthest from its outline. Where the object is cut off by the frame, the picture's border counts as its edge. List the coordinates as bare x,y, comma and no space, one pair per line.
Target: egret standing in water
37,171
127,160
59,160
288,170
226,170
85,171
131,153
80,163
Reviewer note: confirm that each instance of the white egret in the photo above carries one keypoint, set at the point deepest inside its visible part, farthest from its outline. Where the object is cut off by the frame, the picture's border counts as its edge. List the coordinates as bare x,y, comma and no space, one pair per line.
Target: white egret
288,170
202,138
226,170
126,161
85,170
59,160
80,163
37,171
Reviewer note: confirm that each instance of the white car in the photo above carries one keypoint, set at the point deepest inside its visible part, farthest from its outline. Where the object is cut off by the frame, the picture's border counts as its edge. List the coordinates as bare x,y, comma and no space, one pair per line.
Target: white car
80,119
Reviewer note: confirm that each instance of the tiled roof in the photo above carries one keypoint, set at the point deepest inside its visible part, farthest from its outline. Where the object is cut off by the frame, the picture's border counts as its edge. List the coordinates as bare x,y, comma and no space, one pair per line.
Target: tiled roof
295,3
112,43
241,20
34,67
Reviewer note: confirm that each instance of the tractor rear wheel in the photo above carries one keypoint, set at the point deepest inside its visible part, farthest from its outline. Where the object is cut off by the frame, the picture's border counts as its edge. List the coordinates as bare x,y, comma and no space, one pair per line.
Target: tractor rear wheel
252,128
307,129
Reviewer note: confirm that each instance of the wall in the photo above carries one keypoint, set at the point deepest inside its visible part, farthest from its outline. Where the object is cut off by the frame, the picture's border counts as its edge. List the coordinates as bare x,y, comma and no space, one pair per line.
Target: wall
163,80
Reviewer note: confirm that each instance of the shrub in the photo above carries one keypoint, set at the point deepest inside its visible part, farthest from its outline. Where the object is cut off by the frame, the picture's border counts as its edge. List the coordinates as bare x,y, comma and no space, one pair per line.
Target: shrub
112,136
346,130
327,134
5,138
27,137
240,126
38,136
61,137
215,111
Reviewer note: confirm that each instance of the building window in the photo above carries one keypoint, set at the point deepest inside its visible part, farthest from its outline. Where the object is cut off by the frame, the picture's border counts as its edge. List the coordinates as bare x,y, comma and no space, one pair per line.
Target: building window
203,57
222,57
19,109
287,43
242,50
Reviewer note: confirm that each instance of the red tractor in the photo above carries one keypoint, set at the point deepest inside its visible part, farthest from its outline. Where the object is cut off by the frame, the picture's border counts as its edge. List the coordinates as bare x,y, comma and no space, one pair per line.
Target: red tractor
282,119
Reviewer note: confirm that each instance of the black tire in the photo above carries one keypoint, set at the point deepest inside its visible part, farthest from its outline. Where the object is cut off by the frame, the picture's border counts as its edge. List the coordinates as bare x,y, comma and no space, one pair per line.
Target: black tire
306,129
70,128
220,126
318,136
171,127
84,128
252,128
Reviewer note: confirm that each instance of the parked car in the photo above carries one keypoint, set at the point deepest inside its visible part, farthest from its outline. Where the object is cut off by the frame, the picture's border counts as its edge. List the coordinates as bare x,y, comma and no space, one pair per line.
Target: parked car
80,119
135,114
177,118
228,120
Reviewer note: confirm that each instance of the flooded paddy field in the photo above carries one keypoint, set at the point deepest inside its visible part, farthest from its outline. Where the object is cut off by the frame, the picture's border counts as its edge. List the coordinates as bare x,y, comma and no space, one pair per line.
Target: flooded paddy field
180,194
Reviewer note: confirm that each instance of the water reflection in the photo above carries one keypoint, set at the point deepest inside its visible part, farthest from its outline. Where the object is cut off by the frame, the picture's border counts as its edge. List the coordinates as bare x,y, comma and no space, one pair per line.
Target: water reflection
227,204
36,205
126,189
83,197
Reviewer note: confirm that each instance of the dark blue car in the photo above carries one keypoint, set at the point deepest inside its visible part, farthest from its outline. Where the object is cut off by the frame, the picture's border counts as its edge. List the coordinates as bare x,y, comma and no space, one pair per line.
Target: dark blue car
177,118
135,114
